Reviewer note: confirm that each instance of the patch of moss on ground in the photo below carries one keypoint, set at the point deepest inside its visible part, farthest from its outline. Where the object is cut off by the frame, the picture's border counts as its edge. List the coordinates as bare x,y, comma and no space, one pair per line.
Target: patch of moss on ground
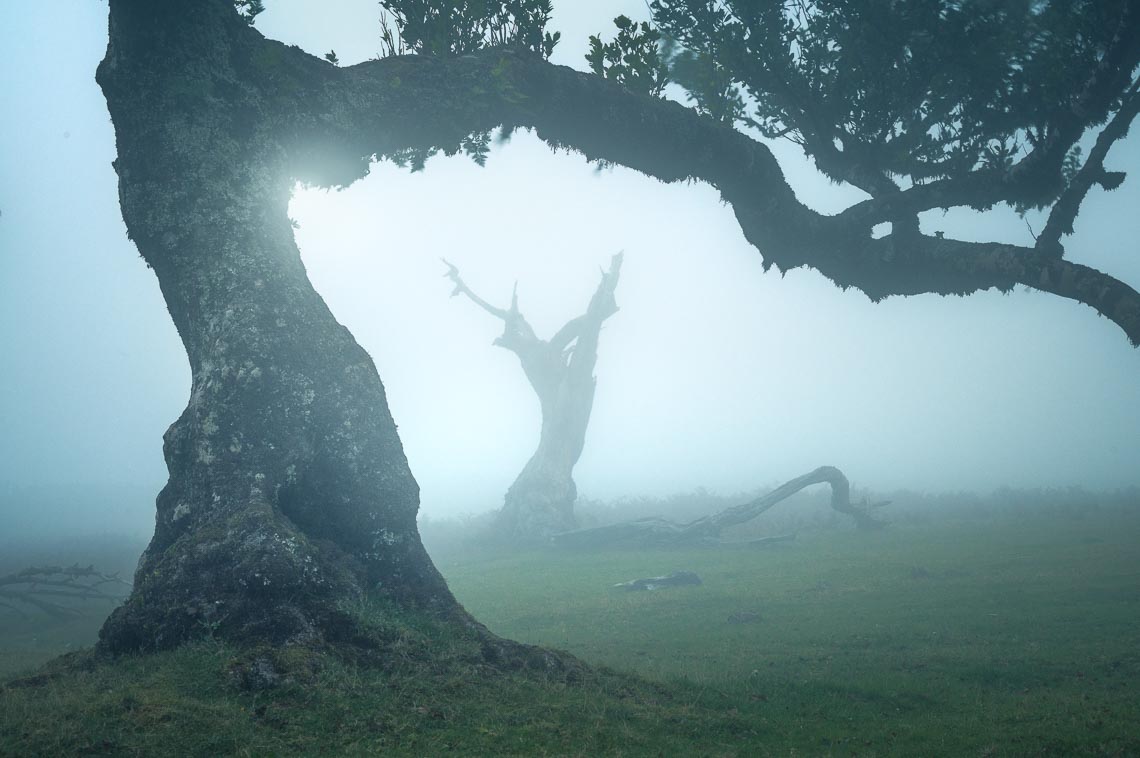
191,702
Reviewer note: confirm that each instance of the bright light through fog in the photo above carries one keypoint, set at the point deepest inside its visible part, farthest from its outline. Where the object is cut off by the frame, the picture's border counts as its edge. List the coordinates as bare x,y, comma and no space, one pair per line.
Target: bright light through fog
712,374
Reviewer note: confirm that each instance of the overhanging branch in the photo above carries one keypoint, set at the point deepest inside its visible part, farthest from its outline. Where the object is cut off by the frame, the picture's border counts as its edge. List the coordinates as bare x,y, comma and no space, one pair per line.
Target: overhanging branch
380,107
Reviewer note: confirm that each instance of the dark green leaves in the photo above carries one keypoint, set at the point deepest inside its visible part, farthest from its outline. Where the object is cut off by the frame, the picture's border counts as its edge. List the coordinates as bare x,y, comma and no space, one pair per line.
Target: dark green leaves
1072,163
634,58
248,9
477,146
709,83
918,89
460,27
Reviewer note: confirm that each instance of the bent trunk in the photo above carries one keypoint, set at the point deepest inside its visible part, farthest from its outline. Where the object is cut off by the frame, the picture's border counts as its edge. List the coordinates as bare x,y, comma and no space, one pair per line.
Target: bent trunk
289,492
541,500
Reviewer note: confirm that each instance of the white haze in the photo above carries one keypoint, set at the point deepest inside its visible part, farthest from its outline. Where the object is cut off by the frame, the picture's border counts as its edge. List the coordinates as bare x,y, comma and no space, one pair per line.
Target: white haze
713,373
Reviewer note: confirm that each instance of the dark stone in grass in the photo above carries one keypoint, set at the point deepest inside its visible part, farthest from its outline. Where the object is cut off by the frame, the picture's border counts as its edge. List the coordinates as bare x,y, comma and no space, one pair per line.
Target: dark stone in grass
266,667
676,579
254,675
744,617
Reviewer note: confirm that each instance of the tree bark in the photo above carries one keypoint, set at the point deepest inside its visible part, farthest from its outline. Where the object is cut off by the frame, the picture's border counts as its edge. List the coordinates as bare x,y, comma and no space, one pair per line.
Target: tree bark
560,370
289,493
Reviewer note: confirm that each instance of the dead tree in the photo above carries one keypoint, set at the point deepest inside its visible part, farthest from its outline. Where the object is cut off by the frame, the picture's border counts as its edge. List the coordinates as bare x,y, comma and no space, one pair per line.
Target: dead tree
560,370
659,532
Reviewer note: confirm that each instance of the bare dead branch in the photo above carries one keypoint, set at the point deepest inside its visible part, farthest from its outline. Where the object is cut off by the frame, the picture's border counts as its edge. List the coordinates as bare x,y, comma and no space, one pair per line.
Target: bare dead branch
602,305
44,587
461,288
649,532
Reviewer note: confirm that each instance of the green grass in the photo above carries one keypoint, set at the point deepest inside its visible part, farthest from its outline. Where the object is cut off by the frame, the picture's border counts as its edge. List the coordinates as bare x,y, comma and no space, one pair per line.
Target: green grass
1011,637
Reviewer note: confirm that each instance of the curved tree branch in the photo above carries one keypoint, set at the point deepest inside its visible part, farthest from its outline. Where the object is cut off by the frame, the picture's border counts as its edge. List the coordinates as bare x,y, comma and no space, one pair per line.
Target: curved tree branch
382,107
461,288
649,532
1065,210
840,500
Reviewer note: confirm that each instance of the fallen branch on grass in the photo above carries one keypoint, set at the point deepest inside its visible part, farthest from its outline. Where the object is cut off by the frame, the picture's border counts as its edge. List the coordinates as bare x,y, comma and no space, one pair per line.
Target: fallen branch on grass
54,589
660,532
676,579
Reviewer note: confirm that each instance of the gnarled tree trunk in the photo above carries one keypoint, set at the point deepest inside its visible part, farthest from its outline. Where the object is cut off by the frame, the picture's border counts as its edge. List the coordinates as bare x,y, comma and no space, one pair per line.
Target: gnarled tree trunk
560,370
289,492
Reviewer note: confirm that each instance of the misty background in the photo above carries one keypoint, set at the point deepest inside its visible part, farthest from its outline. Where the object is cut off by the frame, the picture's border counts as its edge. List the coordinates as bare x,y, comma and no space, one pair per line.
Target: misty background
713,374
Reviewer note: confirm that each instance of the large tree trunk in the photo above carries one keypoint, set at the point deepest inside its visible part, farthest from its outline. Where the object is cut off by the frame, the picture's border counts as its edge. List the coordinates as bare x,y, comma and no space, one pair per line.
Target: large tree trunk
289,492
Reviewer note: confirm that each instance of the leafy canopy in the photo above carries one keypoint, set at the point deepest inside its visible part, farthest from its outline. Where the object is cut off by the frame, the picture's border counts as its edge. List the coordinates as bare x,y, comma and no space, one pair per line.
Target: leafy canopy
461,27
249,9
990,96
637,58
917,90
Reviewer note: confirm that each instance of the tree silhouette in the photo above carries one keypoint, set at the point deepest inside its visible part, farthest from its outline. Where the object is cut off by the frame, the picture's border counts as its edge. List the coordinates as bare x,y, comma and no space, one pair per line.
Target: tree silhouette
560,370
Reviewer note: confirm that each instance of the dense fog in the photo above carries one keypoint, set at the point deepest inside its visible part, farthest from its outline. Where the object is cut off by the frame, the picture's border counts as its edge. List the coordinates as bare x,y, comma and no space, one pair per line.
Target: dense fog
713,374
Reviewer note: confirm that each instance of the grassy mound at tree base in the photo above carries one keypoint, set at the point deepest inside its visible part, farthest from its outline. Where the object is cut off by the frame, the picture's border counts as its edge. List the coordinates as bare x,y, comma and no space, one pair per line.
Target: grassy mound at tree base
1009,636
193,701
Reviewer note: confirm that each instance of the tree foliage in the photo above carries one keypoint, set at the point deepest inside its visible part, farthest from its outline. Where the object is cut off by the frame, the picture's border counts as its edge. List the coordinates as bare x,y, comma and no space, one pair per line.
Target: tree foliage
886,94
921,104
635,58
986,98
460,27
249,9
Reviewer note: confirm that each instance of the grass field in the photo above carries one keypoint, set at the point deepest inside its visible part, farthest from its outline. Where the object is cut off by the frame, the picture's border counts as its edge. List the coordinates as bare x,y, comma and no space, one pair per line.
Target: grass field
981,638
